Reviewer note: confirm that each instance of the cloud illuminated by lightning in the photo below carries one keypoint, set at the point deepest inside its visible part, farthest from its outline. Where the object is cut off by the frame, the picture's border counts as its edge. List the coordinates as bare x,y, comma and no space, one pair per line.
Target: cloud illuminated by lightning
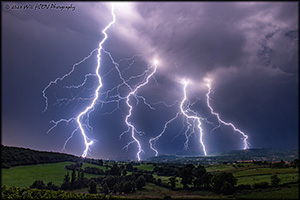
208,82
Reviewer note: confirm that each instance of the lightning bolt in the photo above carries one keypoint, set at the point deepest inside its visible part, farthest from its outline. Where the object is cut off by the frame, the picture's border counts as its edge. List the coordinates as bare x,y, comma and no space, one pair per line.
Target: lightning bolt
152,141
89,108
191,119
192,116
220,120
62,78
130,126
96,94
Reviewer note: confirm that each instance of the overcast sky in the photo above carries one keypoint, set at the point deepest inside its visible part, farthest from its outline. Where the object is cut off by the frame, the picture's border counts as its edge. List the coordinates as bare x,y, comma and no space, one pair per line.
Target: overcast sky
248,50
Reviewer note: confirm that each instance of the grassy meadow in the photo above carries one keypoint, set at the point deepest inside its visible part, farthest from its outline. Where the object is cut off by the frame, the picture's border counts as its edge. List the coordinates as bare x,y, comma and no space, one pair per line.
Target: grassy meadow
24,176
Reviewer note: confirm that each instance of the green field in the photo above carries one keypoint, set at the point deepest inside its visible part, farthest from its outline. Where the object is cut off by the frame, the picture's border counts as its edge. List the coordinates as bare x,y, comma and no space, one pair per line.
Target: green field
24,176
156,192
287,192
219,168
145,167
92,165
251,176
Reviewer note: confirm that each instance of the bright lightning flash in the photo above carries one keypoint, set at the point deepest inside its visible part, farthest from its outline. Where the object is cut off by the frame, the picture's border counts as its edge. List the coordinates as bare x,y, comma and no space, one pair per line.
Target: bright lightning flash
133,93
190,126
193,117
152,141
89,108
208,82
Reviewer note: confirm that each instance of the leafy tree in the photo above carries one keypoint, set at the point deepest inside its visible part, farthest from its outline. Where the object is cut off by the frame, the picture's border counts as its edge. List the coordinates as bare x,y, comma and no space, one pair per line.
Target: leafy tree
158,181
124,172
227,188
219,180
105,189
244,187
67,178
66,185
81,175
260,185
166,169
111,181
172,181
121,187
149,177
140,182
116,188
92,187
115,170
190,166
51,186
186,175
73,179
129,186
198,173
100,162
129,167
206,178
275,180
39,184
295,163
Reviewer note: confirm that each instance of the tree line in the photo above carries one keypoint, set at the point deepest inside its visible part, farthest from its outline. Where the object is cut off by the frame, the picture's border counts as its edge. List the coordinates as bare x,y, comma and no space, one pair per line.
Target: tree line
114,181
16,156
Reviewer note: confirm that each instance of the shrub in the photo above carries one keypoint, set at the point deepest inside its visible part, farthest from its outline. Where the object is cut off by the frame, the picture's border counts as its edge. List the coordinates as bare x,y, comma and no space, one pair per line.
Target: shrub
275,180
244,187
92,187
218,180
261,185
105,189
140,182
227,188
39,184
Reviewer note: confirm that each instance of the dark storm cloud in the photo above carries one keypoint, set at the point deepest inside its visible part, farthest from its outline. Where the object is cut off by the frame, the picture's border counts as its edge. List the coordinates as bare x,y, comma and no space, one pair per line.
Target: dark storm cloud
83,19
249,50
200,37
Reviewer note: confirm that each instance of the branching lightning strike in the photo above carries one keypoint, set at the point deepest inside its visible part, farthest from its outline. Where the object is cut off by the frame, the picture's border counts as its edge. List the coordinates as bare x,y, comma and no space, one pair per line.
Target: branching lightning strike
195,117
89,108
220,120
189,116
130,126
152,141
191,120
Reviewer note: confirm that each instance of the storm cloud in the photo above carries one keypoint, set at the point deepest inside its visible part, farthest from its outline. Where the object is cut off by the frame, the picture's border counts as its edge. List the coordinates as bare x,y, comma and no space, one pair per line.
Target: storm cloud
248,49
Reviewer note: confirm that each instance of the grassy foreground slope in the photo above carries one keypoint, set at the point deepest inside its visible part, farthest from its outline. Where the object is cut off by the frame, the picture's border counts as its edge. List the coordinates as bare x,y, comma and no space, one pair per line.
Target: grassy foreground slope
26,193
24,176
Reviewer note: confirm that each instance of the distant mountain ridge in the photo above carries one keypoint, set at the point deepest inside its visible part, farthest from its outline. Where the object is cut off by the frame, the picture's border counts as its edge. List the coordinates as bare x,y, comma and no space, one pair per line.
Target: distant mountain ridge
262,154
16,156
